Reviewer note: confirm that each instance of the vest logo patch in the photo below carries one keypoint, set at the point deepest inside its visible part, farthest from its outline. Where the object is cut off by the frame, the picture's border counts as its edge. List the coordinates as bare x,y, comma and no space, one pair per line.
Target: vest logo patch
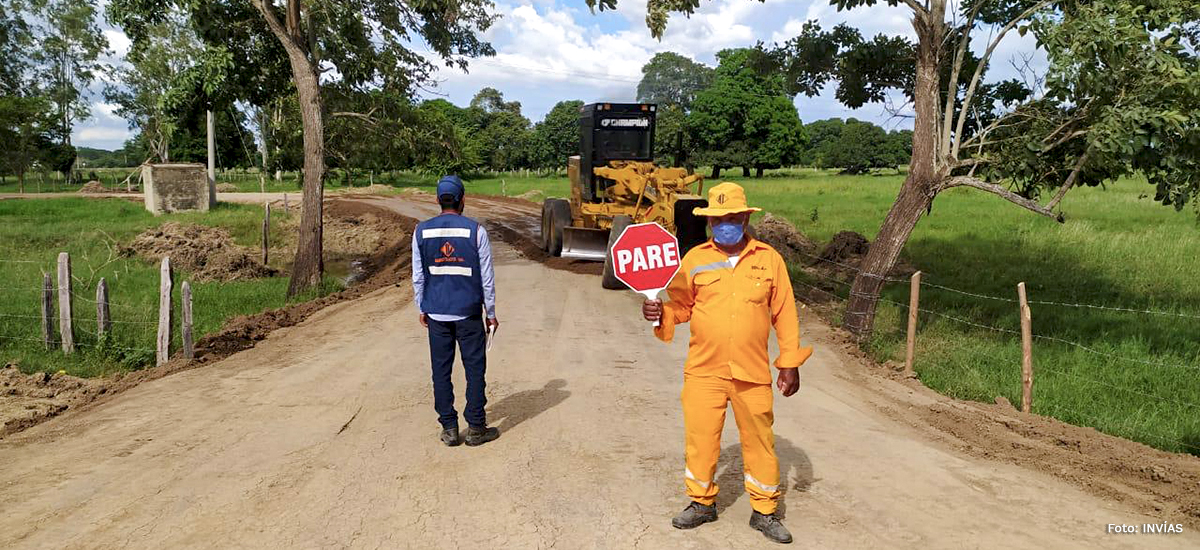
447,250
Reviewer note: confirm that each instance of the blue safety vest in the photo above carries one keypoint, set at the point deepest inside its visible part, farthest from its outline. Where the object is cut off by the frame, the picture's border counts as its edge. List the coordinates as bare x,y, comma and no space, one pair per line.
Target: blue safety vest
450,259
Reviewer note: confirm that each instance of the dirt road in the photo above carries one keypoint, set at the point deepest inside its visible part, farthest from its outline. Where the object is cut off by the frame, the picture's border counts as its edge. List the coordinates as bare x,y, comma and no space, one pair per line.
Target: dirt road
323,435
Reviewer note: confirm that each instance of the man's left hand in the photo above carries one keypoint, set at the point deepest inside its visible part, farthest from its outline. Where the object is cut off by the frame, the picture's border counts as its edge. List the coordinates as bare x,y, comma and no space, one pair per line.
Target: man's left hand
789,381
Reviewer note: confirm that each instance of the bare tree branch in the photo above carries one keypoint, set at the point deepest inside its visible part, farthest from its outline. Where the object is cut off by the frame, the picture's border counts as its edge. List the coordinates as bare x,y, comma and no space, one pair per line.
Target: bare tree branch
1066,186
983,61
952,87
917,8
1002,192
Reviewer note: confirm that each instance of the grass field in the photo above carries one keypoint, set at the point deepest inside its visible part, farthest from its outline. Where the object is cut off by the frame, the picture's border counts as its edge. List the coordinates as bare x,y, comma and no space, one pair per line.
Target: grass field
1118,248
34,232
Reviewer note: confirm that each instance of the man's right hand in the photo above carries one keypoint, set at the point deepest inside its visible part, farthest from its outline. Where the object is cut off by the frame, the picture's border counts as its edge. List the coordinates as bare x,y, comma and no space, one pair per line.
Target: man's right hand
652,310
424,322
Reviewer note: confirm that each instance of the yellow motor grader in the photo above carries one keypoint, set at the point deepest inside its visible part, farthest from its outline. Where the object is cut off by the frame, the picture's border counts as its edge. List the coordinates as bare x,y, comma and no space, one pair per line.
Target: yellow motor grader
615,183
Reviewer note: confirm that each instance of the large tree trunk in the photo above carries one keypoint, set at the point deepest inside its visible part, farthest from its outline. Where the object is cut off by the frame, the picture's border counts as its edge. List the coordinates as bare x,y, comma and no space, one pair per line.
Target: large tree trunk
745,171
309,264
758,171
716,172
916,193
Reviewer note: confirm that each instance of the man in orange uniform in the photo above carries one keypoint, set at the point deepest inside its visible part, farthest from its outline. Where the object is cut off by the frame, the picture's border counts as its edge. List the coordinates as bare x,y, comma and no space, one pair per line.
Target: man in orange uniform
732,289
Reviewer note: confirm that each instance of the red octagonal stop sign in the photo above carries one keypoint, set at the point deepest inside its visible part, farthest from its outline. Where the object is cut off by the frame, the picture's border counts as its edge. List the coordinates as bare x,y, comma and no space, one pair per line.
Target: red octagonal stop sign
645,257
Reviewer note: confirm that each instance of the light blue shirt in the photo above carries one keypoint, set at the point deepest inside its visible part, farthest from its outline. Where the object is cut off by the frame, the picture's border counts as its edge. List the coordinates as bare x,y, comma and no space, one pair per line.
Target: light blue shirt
485,271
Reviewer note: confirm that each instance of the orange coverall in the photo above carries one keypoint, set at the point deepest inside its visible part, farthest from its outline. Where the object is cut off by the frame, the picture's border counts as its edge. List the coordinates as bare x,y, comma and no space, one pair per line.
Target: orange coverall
731,309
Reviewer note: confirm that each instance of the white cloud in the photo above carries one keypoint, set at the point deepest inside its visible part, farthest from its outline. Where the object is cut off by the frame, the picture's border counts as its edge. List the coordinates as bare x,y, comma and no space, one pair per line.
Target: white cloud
117,42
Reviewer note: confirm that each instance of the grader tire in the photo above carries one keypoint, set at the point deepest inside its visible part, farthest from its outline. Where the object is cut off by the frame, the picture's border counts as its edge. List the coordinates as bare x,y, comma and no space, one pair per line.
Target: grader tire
609,279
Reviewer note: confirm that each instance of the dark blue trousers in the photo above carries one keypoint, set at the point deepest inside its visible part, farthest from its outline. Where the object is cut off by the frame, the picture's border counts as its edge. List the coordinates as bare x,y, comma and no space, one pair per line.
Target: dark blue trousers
471,338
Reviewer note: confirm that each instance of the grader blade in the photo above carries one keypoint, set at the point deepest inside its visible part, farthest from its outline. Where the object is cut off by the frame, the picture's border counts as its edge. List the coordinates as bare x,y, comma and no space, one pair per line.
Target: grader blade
585,244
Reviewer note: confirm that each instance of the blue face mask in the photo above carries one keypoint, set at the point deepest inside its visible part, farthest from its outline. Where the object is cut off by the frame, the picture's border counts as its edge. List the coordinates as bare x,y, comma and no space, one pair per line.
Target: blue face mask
728,233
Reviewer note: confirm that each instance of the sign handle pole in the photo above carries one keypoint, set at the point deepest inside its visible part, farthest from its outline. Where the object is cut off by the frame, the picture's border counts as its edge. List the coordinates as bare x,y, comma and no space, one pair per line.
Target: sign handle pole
652,295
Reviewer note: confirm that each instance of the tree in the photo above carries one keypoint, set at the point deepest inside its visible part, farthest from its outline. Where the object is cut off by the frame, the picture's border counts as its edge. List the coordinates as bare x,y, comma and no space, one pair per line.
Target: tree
69,48
501,132
1121,94
556,137
822,135
860,147
744,118
147,91
25,124
362,45
672,79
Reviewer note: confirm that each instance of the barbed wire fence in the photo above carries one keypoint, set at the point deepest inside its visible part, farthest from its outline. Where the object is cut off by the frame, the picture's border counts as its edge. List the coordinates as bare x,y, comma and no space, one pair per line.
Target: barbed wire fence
59,315
836,290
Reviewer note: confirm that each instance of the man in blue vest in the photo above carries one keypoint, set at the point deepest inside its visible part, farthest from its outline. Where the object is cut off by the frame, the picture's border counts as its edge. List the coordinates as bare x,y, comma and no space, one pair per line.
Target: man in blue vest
453,283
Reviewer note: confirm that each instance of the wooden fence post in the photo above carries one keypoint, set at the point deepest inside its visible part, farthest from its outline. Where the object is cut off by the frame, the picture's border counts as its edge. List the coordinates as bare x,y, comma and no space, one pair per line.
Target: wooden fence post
1026,352
266,231
103,321
185,292
64,303
164,312
914,295
47,311
285,205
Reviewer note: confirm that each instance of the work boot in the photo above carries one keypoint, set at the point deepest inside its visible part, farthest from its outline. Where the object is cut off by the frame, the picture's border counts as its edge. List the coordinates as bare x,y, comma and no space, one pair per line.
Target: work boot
450,437
771,527
479,436
695,515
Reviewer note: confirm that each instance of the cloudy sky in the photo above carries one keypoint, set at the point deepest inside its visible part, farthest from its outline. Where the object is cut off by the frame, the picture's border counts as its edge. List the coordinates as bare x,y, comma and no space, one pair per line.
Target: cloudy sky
554,50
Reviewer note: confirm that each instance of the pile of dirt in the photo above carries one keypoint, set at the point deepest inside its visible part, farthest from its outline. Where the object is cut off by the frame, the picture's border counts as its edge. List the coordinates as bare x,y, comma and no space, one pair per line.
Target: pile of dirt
351,229
226,188
208,253
533,195
373,189
784,238
27,399
389,264
94,187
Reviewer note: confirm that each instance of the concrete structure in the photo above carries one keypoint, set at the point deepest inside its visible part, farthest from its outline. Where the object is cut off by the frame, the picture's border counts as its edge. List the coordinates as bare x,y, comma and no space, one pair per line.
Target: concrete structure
177,188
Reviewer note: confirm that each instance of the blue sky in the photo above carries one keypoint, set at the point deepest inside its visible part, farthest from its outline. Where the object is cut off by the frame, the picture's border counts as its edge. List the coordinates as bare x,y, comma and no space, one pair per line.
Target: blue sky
554,50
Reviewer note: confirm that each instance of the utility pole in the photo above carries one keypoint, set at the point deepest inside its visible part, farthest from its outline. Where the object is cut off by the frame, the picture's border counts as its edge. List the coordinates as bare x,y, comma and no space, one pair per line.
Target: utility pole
212,162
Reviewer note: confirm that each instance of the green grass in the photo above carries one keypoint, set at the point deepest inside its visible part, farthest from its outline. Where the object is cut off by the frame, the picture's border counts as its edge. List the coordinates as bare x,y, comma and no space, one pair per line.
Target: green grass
34,232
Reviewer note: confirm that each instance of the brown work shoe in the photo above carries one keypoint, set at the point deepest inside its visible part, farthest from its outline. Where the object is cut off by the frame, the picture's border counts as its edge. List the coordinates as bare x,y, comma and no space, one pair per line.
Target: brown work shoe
450,437
479,436
695,515
770,526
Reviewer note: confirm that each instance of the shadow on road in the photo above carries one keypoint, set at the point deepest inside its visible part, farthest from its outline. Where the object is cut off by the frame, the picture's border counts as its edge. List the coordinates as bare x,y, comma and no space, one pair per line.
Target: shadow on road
523,405
795,473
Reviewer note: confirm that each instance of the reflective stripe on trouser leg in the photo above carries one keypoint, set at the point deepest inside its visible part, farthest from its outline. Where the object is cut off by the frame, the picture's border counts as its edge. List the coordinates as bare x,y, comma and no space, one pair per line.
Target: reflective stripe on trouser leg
752,409
704,402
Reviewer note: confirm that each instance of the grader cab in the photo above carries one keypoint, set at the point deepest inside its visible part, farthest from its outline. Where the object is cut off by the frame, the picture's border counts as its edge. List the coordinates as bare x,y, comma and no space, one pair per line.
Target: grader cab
615,183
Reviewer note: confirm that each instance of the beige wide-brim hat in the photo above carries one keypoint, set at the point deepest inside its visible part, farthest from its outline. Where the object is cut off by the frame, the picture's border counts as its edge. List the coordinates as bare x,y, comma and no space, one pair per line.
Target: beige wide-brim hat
726,198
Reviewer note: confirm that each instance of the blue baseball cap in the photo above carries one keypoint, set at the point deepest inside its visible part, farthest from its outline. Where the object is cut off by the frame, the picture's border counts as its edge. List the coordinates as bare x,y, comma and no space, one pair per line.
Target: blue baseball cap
451,185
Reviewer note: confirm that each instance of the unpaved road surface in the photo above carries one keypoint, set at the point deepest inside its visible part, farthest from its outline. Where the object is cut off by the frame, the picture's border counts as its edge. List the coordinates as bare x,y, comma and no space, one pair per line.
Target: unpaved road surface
324,435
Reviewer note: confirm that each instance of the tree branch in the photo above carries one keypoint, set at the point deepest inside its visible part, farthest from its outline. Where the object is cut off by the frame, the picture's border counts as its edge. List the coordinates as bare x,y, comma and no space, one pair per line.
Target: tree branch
917,8
952,87
1002,192
1066,186
983,61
